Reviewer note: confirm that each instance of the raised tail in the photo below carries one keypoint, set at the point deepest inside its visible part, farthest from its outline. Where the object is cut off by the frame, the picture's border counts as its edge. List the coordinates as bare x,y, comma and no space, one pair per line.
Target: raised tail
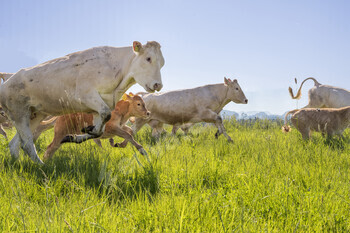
298,95
286,128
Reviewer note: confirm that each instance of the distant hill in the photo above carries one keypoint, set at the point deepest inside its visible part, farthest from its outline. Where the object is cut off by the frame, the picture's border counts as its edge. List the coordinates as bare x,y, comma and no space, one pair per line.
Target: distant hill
250,115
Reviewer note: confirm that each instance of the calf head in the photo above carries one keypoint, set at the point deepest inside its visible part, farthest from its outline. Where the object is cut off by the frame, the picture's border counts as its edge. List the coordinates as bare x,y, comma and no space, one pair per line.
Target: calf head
145,66
137,106
235,92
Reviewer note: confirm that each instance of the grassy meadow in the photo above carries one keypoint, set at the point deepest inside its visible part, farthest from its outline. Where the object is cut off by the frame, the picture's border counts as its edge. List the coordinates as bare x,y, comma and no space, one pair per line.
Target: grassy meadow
265,181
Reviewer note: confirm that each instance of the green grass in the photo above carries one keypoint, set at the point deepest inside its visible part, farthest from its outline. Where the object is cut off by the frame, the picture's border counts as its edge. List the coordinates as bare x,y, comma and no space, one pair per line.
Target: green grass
264,181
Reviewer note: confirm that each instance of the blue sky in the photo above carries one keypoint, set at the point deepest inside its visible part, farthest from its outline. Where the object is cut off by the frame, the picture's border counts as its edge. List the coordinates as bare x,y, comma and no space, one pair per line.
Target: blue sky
263,44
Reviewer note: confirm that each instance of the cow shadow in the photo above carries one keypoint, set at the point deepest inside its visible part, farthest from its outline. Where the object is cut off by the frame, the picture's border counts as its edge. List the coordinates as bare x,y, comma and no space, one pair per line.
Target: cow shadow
115,177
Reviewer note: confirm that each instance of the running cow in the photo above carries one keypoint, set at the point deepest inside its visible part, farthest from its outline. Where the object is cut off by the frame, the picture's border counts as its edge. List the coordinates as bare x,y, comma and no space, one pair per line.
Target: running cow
90,81
201,104
324,96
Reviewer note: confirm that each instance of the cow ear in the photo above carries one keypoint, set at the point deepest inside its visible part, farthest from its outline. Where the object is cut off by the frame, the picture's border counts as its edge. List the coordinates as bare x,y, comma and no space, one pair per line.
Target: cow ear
131,94
137,47
235,80
226,81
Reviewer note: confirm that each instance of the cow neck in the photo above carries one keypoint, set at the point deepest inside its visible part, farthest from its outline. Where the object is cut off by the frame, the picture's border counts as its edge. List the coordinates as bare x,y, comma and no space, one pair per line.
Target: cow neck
122,88
224,101
126,81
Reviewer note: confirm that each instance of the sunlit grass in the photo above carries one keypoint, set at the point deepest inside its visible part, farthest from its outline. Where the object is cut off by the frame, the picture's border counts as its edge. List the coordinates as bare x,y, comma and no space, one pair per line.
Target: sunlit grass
264,181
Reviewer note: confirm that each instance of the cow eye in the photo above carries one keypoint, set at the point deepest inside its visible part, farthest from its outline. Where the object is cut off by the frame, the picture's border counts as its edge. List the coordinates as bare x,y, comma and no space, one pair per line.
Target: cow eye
139,104
237,88
148,59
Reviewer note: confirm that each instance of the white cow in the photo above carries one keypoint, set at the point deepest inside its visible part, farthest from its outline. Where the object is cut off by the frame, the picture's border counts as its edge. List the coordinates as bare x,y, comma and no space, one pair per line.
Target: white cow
89,81
201,104
324,96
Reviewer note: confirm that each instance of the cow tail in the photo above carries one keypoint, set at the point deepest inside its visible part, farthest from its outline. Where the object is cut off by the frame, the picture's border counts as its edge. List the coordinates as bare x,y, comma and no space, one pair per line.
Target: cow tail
49,121
298,95
286,128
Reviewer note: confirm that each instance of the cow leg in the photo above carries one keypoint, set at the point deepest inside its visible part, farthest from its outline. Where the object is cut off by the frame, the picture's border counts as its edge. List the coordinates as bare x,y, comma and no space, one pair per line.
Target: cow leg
139,122
186,127
98,142
212,117
95,103
305,133
219,124
174,130
24,128
15,145
2,132
157,128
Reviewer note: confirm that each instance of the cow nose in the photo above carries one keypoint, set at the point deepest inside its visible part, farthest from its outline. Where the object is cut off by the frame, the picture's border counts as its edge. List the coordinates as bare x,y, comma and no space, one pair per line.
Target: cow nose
148,113
157,86
246,101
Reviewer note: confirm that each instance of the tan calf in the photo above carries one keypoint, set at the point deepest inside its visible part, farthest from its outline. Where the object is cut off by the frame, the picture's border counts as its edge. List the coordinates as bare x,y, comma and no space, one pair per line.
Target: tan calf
328,121
73,123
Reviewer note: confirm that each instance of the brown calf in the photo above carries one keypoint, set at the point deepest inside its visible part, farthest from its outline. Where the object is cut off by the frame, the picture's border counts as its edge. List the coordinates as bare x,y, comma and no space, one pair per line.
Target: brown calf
131,105
330,121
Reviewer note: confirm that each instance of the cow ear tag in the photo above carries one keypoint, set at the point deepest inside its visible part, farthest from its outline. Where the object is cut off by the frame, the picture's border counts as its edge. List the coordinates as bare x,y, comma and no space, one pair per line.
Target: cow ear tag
131,94
137,46
125,97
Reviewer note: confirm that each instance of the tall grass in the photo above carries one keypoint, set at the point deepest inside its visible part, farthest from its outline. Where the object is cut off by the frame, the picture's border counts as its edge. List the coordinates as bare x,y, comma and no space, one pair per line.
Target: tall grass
264,181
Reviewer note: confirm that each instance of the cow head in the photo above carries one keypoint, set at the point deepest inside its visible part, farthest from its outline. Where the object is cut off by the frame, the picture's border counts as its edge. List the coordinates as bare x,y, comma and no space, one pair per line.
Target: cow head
137,106
145,66
234,92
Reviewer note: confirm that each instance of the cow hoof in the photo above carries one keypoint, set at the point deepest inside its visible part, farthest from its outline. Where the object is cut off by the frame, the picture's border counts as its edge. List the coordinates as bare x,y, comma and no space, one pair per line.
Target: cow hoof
68,138
142,151
111,142
88,129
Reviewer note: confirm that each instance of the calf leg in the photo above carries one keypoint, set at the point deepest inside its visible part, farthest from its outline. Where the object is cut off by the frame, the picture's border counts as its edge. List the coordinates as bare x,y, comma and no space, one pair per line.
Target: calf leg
125,142
123,132
59,134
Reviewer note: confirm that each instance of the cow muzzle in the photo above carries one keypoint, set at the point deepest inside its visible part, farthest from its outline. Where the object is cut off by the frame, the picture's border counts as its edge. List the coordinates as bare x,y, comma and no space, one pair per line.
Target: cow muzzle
157,86
148,115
